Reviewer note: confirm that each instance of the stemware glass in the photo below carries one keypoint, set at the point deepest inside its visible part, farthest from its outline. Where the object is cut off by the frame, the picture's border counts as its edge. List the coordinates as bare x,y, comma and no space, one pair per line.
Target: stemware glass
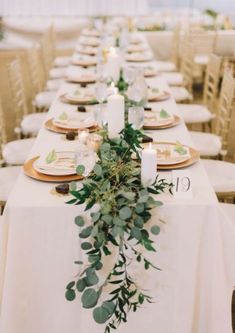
129,74
136,116
101,93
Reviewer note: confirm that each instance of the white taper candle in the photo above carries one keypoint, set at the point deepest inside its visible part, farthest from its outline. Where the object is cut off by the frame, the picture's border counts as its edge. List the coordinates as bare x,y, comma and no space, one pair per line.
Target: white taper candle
115,115
148,166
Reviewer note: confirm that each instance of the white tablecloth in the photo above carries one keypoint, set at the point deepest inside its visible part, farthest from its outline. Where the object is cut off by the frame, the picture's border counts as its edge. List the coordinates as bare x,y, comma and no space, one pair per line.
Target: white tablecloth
196,248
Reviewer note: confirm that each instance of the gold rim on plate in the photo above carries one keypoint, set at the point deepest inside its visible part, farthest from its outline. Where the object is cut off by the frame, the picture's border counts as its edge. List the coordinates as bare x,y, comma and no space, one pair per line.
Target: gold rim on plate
51,127
194,157
174,122
138,60
32,173
64,99
84,63
165,95
80,81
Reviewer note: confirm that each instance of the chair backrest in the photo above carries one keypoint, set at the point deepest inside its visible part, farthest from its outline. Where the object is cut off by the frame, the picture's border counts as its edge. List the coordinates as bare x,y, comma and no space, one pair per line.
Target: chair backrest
211,84
18,89
37,74
203,41
174,57
8,56
13,102
3,138
47,46
187,65
226,106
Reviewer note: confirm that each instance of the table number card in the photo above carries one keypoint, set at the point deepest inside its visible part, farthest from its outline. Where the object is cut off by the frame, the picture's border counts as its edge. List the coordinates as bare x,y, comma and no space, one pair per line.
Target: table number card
182,180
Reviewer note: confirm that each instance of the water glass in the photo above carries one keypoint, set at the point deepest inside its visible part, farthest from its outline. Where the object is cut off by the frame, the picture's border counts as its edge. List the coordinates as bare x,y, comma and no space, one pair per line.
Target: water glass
136,116
85,156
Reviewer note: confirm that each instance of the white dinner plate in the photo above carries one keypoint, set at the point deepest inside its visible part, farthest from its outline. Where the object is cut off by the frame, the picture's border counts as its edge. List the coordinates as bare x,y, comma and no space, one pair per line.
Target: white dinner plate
63,165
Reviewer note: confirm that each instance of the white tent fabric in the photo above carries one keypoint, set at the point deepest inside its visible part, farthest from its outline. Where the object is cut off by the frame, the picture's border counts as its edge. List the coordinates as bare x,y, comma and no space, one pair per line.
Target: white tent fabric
73,7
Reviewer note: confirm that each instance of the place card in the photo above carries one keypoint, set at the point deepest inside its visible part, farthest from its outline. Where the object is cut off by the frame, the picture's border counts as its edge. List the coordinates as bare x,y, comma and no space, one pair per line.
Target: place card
182,181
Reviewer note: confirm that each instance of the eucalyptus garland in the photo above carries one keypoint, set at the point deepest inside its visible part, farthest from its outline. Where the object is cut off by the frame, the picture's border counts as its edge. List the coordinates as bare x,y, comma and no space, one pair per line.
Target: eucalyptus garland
120,223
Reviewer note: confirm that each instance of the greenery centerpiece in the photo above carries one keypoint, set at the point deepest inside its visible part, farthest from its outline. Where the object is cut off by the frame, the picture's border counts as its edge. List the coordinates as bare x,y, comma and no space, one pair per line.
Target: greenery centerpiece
119,209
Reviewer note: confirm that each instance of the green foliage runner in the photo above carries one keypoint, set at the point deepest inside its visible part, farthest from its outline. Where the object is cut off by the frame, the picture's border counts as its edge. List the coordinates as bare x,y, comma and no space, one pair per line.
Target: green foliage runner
119,223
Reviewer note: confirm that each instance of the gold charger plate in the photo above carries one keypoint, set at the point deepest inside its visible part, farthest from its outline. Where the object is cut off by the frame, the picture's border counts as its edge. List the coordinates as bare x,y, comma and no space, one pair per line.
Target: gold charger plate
84,63
91,53
90,43
51,127
195,157
32,173
64,99
80,80
144,59
166,95
175,122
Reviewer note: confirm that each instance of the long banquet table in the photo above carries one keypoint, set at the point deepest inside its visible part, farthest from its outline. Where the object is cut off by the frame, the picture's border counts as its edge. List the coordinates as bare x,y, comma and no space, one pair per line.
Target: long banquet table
192,292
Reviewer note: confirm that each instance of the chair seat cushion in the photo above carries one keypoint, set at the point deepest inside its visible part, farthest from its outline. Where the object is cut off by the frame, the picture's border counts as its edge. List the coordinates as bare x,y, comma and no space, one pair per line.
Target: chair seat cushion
195,113
173,79
57,72
16,152
221,175
201,59
54,85
165,66
206,143
32,123
44,99
8,176
181,94
62,61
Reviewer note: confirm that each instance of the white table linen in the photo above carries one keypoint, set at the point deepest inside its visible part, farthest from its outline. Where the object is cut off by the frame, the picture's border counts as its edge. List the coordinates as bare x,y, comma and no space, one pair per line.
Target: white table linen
196,250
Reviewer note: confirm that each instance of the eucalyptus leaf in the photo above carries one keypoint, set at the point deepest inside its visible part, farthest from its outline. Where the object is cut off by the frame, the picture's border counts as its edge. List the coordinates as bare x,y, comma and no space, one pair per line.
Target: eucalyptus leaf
98,170
81,285
101,315
70,294
86,246
79,221
89,298
80,169
109,306
136,233
92,278
125,213
86,232
155,229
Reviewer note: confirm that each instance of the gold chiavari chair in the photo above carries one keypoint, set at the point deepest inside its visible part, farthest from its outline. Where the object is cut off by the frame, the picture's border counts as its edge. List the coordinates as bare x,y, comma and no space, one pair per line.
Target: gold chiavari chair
30,123
9,174
13,150
8,56
205,113
214,145
204,43
184,93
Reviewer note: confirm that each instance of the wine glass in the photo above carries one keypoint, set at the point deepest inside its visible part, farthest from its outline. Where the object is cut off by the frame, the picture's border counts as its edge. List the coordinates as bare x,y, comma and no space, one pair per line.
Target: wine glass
129,74
136,117
101,93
